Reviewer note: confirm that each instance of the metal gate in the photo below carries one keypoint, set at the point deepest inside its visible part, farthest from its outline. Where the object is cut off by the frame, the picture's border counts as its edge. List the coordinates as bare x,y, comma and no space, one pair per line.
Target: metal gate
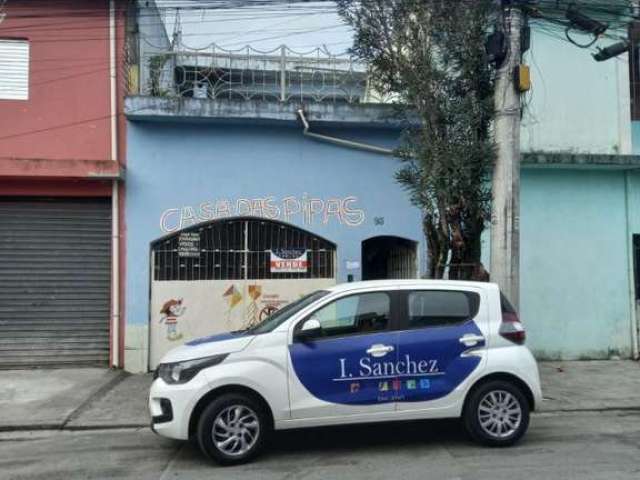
389,257
238,248
55,258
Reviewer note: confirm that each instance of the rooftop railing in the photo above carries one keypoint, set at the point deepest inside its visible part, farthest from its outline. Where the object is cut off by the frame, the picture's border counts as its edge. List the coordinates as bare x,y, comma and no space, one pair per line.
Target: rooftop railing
282,75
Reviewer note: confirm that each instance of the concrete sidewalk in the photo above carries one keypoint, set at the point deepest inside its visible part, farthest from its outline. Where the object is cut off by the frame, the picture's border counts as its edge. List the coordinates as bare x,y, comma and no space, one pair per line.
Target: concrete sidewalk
125,405
48,399
594,385
96,399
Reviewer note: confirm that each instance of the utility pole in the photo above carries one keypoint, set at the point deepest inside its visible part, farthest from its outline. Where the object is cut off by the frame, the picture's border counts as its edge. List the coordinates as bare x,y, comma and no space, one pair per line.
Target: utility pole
505,211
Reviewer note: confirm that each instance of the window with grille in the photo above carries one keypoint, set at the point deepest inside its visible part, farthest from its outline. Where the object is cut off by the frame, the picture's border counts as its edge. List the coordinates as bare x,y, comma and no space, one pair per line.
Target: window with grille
237,249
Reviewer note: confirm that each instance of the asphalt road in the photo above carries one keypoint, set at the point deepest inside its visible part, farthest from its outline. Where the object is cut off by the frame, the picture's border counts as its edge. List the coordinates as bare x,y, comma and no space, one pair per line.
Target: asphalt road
585,446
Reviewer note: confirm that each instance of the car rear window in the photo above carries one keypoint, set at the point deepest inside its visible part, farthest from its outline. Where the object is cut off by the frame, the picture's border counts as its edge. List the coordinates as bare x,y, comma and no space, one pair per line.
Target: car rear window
435,308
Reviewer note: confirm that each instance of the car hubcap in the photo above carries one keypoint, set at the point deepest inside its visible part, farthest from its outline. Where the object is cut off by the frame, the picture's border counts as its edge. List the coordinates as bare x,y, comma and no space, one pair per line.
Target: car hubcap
235,430
499,414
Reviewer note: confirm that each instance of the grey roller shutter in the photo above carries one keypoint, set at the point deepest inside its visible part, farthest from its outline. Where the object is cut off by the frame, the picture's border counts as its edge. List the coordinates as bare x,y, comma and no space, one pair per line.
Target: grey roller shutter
54,282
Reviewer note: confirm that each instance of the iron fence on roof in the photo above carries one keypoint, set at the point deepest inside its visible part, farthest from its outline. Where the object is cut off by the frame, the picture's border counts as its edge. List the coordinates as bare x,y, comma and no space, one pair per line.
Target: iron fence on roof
282,75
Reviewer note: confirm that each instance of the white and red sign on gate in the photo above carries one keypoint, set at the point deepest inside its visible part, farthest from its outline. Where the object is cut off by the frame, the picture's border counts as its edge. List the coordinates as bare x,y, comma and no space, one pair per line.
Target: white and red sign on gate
289,261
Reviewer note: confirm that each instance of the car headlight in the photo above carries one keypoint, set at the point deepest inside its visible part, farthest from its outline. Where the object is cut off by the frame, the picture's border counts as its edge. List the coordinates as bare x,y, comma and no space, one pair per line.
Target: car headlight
182,372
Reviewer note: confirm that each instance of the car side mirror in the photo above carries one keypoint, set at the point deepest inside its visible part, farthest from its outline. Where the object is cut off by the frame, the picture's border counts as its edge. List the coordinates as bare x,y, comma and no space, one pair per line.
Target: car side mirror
310,329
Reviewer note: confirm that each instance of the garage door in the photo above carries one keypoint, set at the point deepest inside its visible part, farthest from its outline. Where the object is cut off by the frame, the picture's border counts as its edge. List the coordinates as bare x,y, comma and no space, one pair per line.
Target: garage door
54,282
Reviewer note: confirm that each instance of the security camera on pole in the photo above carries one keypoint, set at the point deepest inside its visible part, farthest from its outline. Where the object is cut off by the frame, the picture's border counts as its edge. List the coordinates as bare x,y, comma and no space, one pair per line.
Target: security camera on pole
505,211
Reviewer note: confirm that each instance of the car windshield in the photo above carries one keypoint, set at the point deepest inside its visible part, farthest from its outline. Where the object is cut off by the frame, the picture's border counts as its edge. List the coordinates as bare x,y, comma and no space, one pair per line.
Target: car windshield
286,312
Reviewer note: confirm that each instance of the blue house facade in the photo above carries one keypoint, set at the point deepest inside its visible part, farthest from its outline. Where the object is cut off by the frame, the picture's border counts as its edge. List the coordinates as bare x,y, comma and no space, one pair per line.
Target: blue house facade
184,174
220,160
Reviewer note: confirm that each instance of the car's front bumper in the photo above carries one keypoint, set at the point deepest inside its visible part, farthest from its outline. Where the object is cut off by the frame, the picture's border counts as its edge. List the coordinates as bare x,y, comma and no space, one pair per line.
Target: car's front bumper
170,406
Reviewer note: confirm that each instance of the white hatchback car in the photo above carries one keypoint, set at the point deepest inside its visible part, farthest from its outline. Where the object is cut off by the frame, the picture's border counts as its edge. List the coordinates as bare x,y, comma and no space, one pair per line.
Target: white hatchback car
354,353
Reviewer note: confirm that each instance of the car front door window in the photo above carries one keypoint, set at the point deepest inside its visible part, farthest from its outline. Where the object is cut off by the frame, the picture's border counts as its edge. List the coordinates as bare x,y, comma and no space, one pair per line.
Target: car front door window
354,315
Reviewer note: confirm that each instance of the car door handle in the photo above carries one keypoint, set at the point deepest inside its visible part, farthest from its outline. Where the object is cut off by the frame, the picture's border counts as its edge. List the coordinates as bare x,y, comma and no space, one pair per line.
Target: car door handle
380,350
471,340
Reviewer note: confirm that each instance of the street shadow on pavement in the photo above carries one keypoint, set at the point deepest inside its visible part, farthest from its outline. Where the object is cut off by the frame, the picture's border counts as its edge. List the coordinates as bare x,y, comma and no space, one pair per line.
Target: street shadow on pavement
355,437
350,439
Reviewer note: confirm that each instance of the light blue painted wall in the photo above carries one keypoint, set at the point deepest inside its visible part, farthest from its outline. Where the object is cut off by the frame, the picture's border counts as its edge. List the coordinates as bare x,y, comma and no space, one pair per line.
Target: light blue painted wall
576,104
176,165
574,263
576,280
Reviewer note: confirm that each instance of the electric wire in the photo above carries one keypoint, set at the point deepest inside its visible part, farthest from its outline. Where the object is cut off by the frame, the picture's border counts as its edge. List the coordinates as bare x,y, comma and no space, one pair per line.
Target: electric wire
548,8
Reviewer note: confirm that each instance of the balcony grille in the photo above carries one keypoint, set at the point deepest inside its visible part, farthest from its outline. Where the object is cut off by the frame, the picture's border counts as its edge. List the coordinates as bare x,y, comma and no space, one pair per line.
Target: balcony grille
282,75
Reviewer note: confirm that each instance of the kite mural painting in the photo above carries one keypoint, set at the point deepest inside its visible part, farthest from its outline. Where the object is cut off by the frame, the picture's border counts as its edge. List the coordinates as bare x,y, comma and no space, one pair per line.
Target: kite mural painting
233,297
252,314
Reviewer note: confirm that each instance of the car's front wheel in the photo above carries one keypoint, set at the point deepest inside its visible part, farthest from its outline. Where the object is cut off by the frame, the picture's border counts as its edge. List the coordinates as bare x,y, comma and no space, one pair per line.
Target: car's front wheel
233,428
496,414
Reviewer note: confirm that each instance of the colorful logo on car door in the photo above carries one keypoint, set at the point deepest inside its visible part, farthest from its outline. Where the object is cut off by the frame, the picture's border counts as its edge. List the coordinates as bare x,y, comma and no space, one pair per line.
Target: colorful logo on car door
415,365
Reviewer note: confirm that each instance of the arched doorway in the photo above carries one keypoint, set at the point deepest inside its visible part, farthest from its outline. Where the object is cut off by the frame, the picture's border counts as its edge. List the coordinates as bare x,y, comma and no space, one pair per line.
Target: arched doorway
387,257
229,274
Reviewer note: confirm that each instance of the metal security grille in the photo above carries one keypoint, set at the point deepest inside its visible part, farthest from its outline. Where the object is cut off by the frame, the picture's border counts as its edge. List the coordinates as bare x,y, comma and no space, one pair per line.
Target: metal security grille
237,249
281,75
388,257
54,282
401,263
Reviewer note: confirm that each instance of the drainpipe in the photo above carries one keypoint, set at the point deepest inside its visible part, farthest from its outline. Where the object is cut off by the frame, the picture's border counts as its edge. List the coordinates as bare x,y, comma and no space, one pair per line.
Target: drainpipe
115,211
340,141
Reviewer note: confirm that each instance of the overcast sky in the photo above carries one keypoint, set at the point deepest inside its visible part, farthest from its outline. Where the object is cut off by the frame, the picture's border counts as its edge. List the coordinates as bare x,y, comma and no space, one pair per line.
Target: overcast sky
300,26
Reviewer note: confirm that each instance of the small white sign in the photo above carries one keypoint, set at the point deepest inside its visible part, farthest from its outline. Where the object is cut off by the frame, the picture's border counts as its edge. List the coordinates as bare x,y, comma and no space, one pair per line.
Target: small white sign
189,245
353,265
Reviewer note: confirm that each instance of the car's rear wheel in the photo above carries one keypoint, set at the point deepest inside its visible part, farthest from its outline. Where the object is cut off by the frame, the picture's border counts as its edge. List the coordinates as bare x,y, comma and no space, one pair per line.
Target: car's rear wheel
496,414
233,428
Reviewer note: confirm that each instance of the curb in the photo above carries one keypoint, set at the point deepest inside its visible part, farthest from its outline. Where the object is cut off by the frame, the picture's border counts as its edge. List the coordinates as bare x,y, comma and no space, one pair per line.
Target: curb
72,428
590,409
124,426
56,427
29,428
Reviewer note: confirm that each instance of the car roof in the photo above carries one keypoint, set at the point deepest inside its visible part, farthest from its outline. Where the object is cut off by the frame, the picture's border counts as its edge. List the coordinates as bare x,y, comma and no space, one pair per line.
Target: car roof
345,287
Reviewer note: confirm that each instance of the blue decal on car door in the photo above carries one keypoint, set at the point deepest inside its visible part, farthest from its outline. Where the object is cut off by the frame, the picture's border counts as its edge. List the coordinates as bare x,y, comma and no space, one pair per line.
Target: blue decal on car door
351,370
442,349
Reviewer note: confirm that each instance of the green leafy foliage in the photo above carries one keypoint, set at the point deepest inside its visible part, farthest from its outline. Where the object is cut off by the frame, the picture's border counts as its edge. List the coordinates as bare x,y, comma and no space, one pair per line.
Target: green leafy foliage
429,57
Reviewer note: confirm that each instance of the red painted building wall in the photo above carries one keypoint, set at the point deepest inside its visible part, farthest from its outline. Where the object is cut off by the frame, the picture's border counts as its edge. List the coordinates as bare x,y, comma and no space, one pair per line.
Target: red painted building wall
58,143
67,115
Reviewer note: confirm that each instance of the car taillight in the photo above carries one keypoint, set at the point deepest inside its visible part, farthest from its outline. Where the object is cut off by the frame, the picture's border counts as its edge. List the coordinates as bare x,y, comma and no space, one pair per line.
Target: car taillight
512,329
